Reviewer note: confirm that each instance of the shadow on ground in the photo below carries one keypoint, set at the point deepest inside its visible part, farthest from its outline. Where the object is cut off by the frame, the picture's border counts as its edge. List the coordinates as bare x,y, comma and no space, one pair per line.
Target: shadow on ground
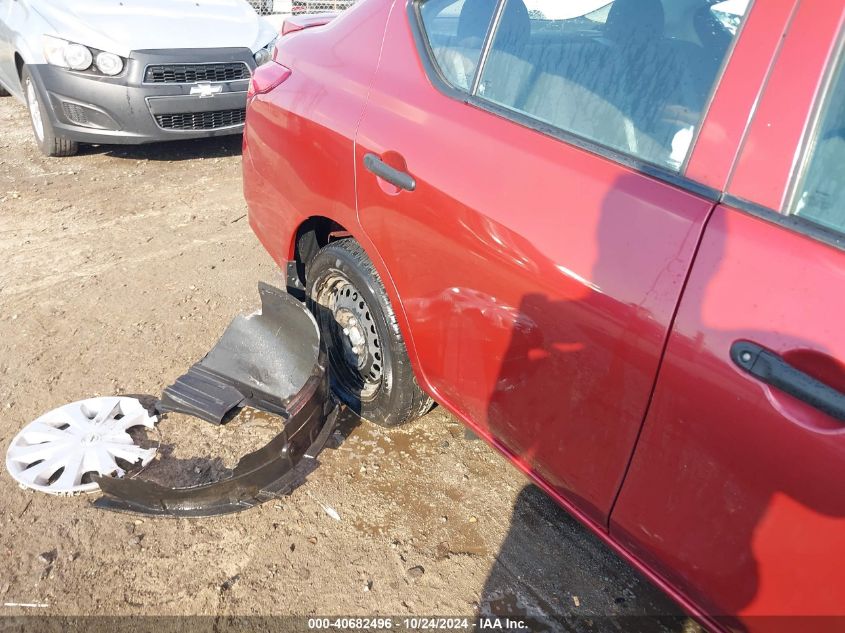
218,147
555,575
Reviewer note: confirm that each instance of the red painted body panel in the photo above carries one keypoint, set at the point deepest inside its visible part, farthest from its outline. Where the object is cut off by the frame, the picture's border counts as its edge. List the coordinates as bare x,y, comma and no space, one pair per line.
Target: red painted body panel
536,285
735,493
525,327
298,144
724,127
299,22
299,139
721,453
771,149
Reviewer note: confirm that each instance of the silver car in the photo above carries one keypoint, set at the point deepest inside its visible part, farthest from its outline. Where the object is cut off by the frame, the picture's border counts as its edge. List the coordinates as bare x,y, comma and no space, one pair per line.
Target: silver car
99,71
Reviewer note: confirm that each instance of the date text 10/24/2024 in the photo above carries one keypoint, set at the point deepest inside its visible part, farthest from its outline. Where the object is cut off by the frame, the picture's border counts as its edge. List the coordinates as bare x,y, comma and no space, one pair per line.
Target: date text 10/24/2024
417,624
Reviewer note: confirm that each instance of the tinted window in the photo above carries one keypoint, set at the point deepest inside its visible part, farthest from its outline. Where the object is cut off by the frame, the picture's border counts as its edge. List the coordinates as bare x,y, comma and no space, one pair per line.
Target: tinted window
632,75
456,30
729,13
821,191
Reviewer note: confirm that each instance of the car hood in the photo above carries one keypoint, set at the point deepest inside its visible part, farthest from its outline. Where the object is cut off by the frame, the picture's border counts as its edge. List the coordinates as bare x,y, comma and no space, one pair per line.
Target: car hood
122,26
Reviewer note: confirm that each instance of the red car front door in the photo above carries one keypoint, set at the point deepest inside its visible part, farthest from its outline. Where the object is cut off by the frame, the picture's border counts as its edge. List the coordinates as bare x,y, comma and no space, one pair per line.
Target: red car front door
537,261
735,493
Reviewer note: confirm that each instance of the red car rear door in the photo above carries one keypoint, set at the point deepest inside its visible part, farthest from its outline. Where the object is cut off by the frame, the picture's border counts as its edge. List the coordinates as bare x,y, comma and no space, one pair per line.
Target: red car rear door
534,219
736,493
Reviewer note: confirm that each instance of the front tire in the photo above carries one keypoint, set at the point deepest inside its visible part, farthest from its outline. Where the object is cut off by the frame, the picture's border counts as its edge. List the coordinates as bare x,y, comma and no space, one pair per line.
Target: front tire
50,143
369,364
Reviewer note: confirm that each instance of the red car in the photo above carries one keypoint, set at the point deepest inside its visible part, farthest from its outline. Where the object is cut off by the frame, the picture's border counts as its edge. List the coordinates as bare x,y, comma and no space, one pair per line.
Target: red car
610,240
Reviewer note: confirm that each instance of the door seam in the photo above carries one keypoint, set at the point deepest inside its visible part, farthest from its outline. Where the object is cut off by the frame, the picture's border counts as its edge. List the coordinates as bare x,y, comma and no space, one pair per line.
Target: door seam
669,332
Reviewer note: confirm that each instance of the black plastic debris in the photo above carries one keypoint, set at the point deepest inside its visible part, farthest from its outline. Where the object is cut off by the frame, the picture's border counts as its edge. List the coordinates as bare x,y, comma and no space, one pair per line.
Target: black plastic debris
272,361
262,360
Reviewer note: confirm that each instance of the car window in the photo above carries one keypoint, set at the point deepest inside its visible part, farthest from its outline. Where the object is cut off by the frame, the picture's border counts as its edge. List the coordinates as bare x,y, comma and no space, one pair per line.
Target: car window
729,13
820,195
456,30
632,75
555,10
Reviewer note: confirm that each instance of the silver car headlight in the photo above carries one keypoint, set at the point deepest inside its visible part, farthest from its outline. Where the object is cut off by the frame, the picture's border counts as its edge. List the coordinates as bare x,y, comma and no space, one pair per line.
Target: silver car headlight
109,63
65,54
265,54
59,52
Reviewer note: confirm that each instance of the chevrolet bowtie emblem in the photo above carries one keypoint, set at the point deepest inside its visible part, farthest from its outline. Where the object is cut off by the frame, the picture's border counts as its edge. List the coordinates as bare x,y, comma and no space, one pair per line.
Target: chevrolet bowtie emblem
205,90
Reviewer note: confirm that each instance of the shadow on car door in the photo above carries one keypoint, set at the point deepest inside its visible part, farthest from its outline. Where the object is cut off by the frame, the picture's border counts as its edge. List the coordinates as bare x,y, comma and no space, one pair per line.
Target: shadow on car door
732,496
538,279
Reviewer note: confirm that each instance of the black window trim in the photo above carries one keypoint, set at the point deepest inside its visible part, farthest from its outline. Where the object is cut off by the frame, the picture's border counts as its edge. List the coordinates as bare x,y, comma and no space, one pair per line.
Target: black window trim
487,46
794,223
674,178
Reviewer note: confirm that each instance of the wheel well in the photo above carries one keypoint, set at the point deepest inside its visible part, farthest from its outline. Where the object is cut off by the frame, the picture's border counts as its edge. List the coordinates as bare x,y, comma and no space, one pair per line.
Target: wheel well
19,65
312,235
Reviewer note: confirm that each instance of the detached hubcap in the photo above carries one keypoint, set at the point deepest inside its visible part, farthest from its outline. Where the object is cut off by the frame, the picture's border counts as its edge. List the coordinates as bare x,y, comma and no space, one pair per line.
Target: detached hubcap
34,109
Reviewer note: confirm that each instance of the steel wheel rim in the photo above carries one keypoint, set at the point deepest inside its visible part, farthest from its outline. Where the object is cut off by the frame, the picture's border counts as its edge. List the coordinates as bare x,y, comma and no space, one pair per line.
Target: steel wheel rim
354,346
34,109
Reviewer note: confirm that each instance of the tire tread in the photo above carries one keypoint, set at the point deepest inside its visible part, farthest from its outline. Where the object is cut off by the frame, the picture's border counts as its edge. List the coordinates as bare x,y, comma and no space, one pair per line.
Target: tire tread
53,145
414,401
62,147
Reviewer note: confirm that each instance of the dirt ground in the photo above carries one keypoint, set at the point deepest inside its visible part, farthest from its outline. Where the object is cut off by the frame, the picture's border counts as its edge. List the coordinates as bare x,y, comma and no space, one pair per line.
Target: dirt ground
120,268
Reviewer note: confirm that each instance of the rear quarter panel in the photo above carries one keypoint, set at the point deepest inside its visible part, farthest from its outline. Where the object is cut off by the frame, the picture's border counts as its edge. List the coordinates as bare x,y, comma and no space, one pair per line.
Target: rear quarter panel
299,138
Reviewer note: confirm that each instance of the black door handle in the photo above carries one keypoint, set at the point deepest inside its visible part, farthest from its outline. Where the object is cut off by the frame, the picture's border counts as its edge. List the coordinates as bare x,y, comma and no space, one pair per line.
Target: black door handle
773,370
384,171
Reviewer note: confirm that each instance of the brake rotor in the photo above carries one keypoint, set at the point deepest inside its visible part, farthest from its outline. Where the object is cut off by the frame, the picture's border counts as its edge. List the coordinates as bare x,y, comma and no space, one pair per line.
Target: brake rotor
60,451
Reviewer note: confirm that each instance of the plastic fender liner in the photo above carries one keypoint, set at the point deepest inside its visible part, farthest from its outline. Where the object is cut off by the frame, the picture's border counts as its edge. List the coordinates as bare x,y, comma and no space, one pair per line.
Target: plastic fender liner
272,361
262,360
269,472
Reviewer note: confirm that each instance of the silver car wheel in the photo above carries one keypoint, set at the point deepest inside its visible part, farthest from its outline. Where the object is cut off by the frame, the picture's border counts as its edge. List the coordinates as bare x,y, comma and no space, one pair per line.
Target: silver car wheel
34,109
